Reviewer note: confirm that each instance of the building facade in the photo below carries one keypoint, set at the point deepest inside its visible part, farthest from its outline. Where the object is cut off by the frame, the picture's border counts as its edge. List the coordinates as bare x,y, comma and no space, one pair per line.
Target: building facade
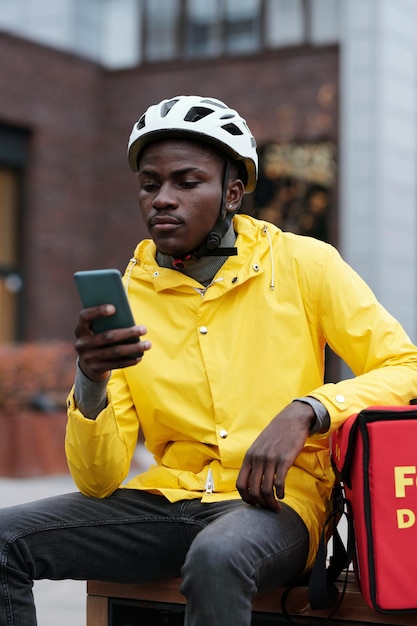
336,144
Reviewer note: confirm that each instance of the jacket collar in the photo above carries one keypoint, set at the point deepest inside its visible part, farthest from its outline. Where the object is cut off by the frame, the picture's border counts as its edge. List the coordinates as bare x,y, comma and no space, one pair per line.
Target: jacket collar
254,257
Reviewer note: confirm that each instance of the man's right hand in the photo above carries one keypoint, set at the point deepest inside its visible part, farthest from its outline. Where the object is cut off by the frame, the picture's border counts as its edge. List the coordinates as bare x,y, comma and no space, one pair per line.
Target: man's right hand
100,353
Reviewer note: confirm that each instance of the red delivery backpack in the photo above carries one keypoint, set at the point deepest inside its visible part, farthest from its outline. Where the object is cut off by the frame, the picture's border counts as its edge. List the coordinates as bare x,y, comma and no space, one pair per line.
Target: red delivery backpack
375,457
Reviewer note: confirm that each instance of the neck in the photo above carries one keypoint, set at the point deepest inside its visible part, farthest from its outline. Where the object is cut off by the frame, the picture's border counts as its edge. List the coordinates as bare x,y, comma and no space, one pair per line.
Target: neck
204,269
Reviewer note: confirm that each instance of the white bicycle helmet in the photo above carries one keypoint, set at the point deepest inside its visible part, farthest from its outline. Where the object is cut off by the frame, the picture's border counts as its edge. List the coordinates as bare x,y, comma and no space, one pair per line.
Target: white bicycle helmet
205,119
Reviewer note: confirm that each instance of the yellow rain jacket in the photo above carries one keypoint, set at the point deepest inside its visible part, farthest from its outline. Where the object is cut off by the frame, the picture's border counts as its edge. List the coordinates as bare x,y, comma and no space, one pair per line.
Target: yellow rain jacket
227,358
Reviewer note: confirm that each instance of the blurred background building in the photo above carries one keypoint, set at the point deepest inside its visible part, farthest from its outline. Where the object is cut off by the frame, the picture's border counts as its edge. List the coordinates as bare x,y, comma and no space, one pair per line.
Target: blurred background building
327,86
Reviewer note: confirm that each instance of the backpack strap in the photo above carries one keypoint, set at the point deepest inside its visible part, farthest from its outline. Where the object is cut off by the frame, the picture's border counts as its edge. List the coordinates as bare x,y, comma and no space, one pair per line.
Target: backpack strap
322,590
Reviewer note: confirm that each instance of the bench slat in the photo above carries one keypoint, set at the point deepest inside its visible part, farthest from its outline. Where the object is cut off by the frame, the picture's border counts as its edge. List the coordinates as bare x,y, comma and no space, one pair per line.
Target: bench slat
353,608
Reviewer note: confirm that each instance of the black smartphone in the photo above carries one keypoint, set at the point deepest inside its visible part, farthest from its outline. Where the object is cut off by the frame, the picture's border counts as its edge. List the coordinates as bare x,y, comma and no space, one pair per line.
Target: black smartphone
105,287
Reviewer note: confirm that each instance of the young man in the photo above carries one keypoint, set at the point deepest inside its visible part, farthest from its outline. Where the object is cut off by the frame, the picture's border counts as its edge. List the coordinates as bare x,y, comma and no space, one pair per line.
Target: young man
229,393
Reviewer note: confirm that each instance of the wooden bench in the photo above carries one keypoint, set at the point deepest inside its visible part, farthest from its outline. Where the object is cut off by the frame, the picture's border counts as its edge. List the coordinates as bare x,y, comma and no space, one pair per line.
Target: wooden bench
111,604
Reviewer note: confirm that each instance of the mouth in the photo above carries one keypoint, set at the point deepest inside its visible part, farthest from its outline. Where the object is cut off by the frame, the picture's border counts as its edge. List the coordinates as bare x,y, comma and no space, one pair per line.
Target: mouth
164,222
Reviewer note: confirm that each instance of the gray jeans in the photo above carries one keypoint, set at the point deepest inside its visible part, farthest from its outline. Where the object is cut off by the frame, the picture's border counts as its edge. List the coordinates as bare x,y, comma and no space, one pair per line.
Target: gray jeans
226,551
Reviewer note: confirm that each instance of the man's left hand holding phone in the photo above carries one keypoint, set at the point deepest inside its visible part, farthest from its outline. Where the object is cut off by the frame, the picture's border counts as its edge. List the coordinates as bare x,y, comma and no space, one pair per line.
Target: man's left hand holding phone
107,337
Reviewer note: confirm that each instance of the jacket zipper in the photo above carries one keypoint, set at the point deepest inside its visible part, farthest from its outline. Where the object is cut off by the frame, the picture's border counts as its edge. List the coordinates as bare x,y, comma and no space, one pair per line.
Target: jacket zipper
209,486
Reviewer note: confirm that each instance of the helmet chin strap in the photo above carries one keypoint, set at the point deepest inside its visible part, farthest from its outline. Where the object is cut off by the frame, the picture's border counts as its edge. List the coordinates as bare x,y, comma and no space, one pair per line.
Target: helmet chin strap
211,245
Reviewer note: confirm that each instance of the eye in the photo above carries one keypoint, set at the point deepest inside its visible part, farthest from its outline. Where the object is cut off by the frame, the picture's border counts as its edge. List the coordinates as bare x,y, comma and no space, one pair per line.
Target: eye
149,186
189,184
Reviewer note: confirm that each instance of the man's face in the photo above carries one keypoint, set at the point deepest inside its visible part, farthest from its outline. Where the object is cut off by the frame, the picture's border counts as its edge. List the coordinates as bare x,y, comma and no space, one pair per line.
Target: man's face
180,190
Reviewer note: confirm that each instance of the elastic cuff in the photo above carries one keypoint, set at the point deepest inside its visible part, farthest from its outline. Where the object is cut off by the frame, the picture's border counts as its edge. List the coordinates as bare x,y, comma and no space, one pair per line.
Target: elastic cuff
322,421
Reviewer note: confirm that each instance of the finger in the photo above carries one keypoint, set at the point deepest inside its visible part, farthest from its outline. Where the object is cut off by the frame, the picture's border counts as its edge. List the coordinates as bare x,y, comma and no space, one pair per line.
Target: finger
97,365
131,349
255,484
247,483
97,356
242,481
90,314
268,489
250,482
259,490
279,482
105,353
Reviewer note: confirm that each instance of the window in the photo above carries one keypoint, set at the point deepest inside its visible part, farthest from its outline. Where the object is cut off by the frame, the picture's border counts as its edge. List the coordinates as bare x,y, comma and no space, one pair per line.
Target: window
296,187
284,23
242,25
10,281
324,21
13,156
174,29
161,20
203,33
221,26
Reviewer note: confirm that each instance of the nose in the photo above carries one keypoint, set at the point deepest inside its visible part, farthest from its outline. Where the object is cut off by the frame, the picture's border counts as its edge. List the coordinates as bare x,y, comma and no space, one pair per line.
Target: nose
164,197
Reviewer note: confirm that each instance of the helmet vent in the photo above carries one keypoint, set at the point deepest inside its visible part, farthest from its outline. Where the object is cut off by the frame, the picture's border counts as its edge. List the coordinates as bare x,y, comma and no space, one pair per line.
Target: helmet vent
167,106
232,129
197,113
141,123
215,103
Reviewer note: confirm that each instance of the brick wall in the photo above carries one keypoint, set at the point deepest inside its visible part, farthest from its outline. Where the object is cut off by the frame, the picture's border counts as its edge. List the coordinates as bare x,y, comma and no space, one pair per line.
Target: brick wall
80,208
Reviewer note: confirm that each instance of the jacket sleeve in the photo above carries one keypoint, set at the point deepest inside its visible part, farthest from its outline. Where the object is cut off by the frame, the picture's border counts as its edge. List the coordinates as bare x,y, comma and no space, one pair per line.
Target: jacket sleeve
369,340
99,451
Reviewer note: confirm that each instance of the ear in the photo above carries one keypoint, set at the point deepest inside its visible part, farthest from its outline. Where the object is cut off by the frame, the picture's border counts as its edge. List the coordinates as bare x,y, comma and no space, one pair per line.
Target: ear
234,195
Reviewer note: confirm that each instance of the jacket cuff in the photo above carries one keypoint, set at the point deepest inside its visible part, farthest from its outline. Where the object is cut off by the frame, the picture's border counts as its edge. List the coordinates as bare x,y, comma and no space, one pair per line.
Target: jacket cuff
322,421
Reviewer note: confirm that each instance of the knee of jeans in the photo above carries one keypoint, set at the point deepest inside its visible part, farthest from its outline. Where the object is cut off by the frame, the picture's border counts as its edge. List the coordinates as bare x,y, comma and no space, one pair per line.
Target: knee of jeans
209,555
7,529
